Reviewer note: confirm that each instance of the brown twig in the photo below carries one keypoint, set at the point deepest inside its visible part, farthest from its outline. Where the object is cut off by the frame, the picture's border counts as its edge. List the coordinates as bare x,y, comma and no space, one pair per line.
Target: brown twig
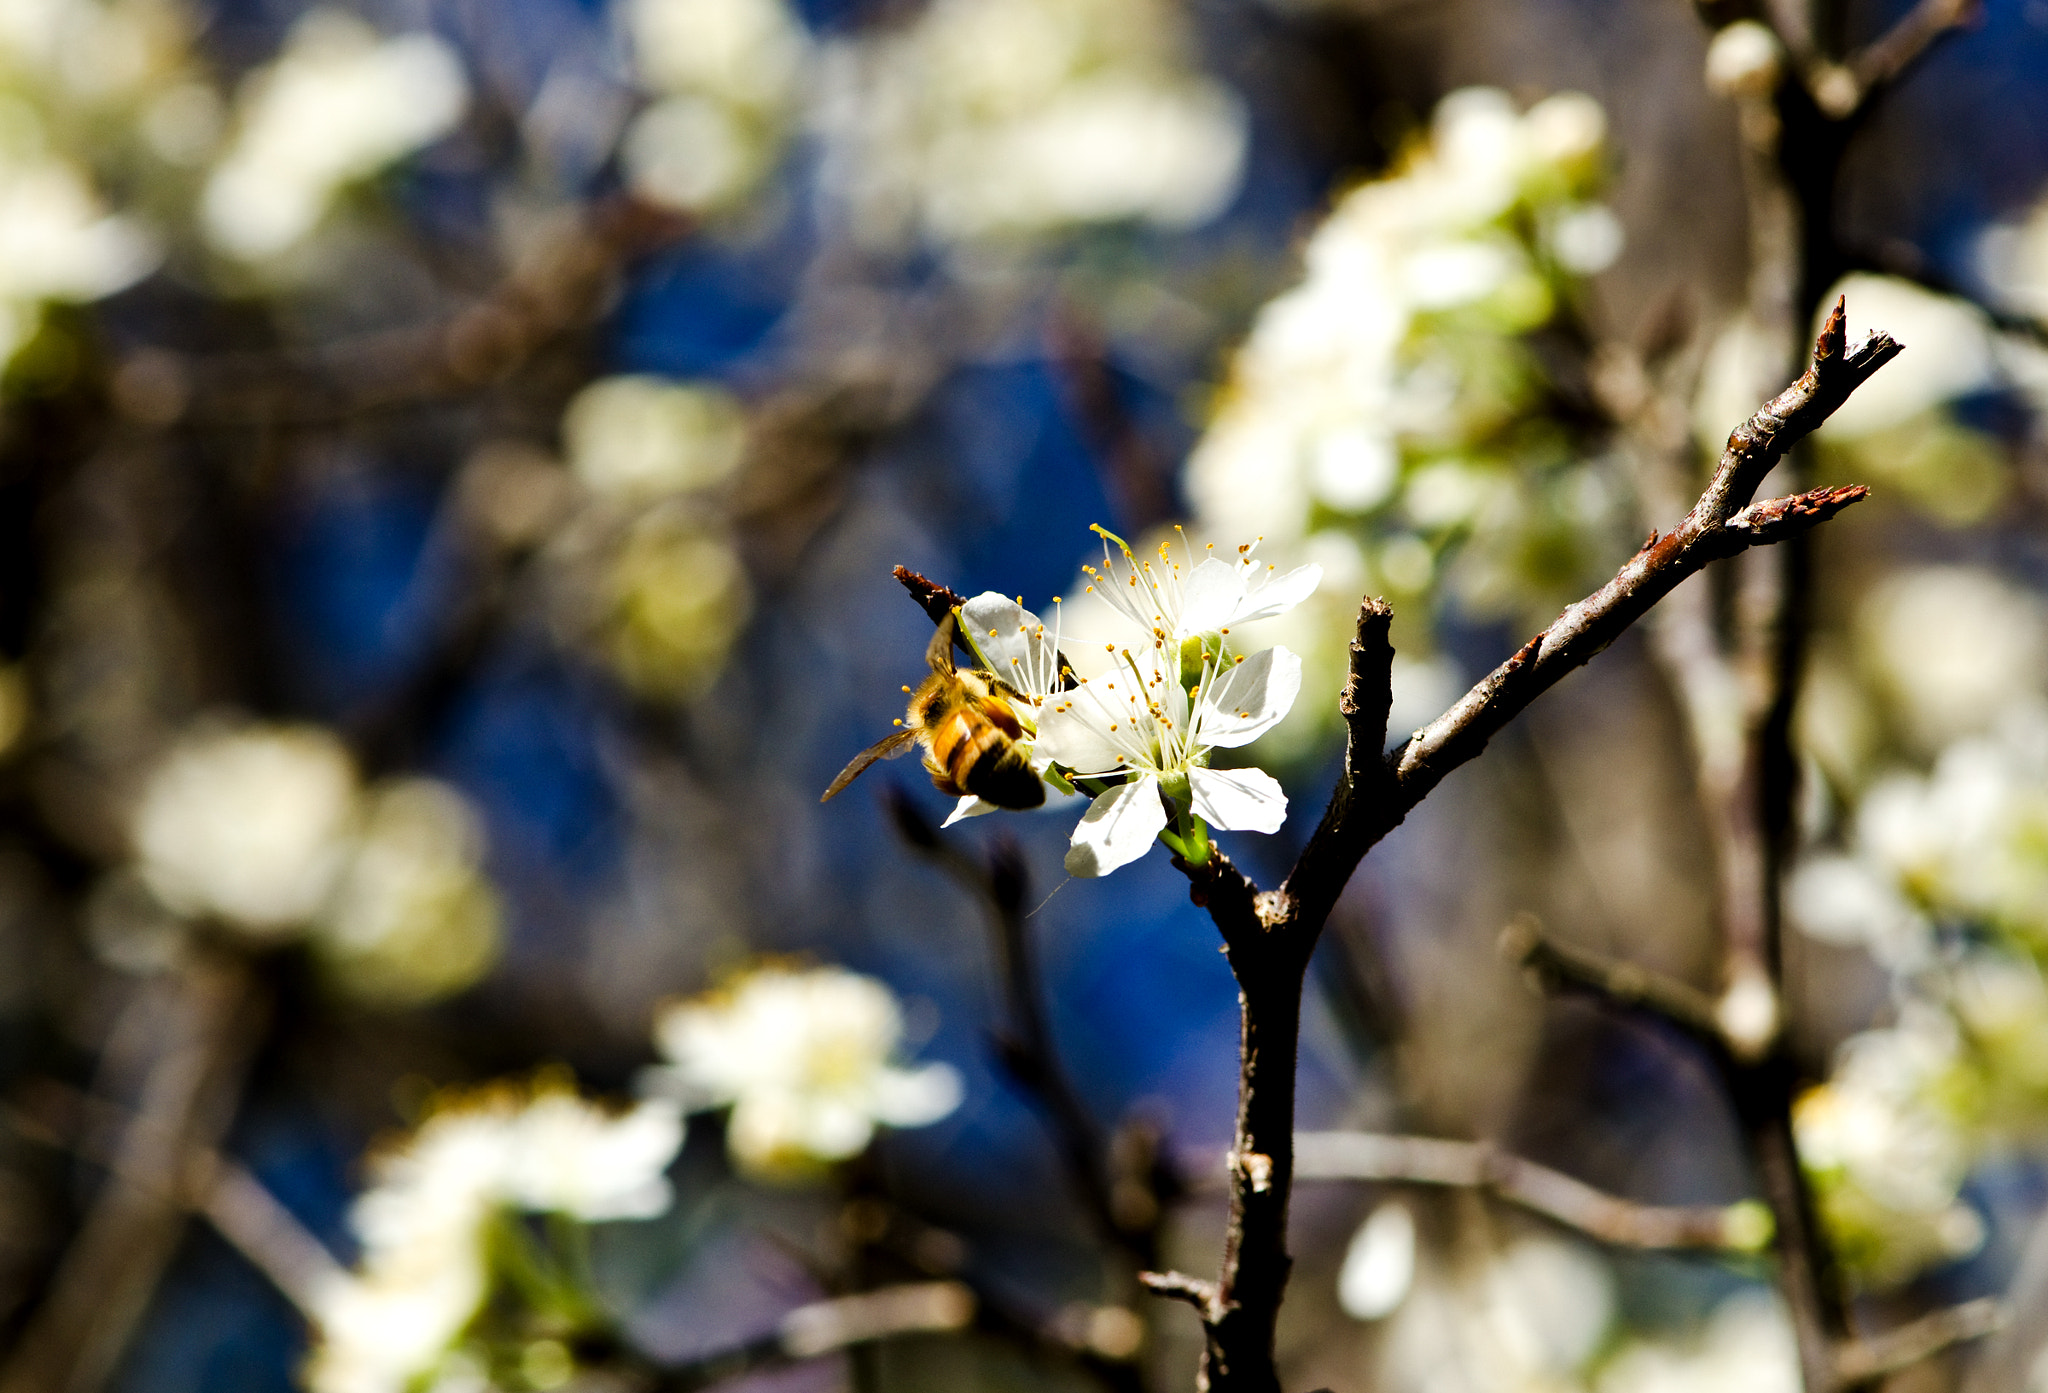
829,1327
1885,60
1734,1228
201,1034
1865,1360
1557,964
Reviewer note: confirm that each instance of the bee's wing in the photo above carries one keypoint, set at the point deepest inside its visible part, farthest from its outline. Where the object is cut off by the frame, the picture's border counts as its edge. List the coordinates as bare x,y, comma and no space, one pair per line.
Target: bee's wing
888,747
940,653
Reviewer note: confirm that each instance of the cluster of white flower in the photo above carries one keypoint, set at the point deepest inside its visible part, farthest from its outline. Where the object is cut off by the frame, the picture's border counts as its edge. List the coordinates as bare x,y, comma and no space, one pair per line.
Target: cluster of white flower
1022,116
1747,1343
339,104
1136,726
68,70
657,580
267,832
726,74
1538,1316
427,1225
1885,1146
1387,416
1942,876
1529,1317
805,1059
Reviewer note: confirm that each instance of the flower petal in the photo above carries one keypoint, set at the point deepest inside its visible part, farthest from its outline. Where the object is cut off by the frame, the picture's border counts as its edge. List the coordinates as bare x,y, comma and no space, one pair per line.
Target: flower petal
1263,600
1238,800
1248,699
917,1097
968,806
1117,829
1013,642
1074,734
1214,592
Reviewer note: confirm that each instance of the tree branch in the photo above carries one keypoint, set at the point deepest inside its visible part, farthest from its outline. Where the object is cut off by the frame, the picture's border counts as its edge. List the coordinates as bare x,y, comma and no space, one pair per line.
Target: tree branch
827,1327
1850,88
1873,1358
1743,1227
1268,936
1561,965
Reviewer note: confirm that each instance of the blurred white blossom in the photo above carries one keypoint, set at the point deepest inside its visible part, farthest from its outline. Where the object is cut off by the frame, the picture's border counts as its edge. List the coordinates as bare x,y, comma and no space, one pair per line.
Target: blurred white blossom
250,826
725,74
1951,352
267,831
1747,1344
1389,401
425,1269
1744,60
1888,1152
1021,116
339,104
631,438
413,917
676,597
1528,1318
1379,1266
806,1058
1954,647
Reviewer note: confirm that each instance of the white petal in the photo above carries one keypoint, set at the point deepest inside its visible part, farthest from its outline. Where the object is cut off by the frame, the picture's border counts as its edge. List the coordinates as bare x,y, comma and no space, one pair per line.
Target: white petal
1248,699
1278,595
1214,592
917,1097
1013,642
1238,800
1074,734
1118,828
968,806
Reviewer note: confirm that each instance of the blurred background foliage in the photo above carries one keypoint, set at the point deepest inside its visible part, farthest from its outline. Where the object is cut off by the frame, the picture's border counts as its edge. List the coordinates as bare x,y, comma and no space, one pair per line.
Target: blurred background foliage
451,461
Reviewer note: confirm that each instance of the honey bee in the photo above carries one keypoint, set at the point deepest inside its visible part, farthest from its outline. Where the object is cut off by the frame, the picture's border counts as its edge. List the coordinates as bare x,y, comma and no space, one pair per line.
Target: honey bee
968,731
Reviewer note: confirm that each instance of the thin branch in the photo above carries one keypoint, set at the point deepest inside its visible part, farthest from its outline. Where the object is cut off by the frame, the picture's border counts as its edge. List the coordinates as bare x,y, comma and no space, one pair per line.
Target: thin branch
215,1186
1524,943
1179,1286
1025,1046
829,1327
1720,525
561,286
1735,1228
1885,60
74,1340
1879,1355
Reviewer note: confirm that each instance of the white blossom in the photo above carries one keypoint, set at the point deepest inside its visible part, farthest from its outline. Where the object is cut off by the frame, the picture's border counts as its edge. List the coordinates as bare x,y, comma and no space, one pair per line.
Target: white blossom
338,105
249,826
634,437
1379,1266
725,74
806,1060
991,117
412,917
1747,1344
1137,723
424,1271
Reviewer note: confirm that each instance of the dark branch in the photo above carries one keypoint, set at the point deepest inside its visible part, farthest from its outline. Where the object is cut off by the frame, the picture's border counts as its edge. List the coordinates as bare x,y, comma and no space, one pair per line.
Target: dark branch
1874,1358
826,1327
1200,1294
1720,525
1560,965
1886,59
1743,1227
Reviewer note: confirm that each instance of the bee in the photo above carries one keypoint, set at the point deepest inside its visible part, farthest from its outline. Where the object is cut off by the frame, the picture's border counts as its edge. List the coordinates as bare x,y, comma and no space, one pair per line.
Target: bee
968,731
